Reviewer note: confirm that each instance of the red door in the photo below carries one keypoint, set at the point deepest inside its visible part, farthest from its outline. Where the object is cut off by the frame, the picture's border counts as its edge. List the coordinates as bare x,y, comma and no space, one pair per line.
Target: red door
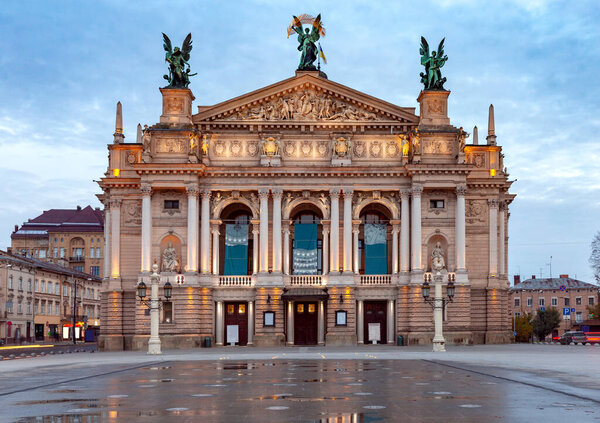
305,323
236,314
376,314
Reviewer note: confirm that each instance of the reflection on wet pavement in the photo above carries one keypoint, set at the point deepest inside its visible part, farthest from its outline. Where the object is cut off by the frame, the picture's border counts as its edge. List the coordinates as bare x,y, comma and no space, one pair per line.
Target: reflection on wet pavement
323,391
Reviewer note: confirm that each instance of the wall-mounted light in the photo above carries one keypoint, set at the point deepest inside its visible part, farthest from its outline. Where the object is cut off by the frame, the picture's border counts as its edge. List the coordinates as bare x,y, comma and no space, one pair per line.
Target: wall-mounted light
492,172
341,299
269,299
116,172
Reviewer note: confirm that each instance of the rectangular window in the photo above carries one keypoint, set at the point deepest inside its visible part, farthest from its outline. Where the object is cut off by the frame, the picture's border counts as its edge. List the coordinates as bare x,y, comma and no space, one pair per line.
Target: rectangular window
236,249
78,268
42,253
529,302
375,237
55,252
29,285
167,312
578,301
57,309
591,301
36,307
436,204
64,290
62,252
95,270
43,308
10,282
19,308
578,317
541,302
56,289
92,251
171,204
98,249
28,308
78,253
9,306
20,284
567,301
43,286
554,301
305,255
517,302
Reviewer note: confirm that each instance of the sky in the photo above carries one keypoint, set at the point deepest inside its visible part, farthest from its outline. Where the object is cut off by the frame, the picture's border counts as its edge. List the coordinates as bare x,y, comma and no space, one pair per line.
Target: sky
65,64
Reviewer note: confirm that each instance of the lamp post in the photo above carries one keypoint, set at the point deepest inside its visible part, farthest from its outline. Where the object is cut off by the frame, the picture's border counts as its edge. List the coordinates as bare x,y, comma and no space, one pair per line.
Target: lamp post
438,303
154,305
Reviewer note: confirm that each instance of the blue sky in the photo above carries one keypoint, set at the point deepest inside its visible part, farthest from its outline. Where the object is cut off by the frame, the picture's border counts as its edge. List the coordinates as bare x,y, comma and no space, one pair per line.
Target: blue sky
66,64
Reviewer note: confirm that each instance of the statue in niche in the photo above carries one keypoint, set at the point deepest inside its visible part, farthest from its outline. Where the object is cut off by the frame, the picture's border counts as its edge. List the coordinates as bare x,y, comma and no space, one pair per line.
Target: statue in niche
405,145
205,145
170,261
437,258
415,139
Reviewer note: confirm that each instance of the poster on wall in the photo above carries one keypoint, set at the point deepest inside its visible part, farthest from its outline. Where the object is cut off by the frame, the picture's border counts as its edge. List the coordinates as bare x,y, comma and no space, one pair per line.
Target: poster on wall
233,334
374,332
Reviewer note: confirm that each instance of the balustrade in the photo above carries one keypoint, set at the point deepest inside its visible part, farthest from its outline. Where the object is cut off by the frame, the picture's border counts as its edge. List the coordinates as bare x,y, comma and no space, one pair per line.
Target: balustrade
237,280
306,280
375,279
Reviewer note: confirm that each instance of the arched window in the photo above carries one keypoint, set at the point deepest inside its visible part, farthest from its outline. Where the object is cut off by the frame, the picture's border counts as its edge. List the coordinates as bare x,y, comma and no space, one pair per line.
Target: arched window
235,241
373,242
307,253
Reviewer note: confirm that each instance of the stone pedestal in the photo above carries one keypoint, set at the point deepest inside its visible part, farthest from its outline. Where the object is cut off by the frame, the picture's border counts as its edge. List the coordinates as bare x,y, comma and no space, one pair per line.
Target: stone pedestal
177,106
434,107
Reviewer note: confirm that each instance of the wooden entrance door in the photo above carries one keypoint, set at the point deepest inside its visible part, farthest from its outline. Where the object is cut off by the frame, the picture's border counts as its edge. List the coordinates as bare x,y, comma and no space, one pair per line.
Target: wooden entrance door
236,313
376,313
306,323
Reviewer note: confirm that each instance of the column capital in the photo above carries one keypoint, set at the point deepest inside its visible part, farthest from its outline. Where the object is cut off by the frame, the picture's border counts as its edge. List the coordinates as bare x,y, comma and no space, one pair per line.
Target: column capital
277,193
192,190
285,225
146,189
263,193
461,190
348,192
502,205
405,192
334,192
416,190
205,193
493,203
116,202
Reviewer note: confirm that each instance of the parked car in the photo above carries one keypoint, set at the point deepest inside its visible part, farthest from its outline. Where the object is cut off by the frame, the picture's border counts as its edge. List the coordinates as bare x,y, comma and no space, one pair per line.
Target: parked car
576,337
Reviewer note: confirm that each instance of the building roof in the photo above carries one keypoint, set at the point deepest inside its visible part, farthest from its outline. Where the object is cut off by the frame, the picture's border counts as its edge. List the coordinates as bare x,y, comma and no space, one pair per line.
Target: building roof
552,283
45,265
80,219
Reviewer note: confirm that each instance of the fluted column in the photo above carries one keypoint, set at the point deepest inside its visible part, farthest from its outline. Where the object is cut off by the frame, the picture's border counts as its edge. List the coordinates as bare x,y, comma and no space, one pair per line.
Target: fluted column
501,243
347,230
277,230
334,264
493,237
192,233
395,258
219,324
286,247
205,233
360,322
215,246
325,231
355,232
107,257
255,246
264,230
405,231
416,228
115,237
461,253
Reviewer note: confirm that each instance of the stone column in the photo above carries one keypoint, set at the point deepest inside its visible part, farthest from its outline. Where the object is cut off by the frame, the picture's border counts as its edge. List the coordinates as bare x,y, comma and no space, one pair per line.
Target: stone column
355,232
205,233
395,231
360,322
264,230
115,237
501,243
390,322
277,230
192,232
493,237
106,239
250,322
215,246
290,323
321,324
334,265
348,230
461,253
255,246
416,228
286,247
146,227
219,324
404,231
325,247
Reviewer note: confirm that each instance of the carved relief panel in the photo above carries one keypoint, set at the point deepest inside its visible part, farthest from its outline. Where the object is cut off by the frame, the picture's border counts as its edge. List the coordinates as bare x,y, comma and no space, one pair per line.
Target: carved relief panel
476,212
132,212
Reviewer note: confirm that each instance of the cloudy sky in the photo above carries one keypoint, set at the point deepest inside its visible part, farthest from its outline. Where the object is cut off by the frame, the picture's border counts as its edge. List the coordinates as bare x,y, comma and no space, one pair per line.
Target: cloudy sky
66,64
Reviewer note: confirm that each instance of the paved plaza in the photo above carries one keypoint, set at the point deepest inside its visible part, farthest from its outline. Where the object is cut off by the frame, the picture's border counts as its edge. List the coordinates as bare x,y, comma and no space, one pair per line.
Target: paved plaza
510,383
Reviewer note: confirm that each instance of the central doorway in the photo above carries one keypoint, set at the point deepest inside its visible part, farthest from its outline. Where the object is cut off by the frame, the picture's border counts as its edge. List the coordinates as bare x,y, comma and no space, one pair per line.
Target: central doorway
376,316
306,318
236,322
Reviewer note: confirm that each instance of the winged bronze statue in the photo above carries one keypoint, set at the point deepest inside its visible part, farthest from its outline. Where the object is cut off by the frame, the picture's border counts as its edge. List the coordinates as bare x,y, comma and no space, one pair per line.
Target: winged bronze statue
179,76
307,39
432,77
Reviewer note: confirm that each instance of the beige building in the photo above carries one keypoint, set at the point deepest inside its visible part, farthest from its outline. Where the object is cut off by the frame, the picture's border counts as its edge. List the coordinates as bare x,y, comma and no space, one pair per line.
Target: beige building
571,297
303,213
70,237
37,297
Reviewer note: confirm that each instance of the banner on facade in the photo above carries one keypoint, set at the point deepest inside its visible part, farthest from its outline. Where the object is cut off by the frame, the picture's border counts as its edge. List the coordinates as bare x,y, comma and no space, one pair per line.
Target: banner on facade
375,249
305,257
236,249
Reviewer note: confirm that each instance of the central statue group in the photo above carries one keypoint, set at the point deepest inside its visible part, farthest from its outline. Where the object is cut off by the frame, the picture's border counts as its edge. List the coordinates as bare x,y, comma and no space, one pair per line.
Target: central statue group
307,39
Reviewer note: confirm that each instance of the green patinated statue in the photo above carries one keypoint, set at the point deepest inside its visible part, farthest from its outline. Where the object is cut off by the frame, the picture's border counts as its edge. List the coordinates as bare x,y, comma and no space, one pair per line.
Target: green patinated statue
179,76
307,39
432,78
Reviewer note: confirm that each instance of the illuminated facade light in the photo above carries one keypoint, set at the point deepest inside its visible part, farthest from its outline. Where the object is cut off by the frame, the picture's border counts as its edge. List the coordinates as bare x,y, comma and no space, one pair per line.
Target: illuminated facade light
492,172
116,172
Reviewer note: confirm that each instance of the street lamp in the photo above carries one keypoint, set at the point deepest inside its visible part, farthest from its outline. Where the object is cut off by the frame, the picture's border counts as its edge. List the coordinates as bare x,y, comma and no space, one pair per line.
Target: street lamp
154,304
438,303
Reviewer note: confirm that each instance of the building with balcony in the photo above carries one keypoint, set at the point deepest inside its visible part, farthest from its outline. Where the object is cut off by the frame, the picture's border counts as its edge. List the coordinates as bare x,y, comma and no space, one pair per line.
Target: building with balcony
304,213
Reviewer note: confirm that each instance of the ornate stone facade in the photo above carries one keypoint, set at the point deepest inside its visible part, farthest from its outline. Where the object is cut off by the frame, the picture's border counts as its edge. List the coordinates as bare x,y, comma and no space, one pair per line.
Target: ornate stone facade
305,161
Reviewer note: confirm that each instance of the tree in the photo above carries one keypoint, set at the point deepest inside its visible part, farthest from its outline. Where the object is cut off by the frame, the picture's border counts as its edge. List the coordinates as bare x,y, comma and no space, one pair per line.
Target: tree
594,311
545,322
522,325
595,256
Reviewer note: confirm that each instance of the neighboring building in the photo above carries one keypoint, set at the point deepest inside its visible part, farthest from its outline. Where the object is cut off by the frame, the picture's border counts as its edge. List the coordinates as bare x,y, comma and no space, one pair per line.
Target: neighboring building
37,297
73,236
305,212
570,297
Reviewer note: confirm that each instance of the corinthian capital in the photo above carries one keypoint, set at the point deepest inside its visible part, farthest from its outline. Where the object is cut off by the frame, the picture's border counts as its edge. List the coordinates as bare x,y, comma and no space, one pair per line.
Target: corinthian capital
334,192
405,192
416,191
461,190
146,189
205,194
348,192
263,193
493,203
277,193
192,190
115,203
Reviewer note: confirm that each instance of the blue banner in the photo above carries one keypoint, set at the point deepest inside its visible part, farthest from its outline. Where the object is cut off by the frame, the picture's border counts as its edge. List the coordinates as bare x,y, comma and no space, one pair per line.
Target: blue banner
236,249
305,259
375,249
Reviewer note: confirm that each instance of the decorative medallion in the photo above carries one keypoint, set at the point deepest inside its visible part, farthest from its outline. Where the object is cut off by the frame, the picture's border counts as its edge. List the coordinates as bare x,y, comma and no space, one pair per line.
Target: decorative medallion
306,148
236,148
252,147
289,148
359,148
375,149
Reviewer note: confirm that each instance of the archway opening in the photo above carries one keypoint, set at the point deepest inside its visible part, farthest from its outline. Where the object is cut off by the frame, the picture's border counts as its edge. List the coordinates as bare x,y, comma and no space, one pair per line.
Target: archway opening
236,241
374,240
307,240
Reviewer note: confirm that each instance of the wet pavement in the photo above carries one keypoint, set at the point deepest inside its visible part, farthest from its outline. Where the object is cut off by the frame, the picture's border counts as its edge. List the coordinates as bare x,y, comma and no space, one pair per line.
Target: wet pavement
365,389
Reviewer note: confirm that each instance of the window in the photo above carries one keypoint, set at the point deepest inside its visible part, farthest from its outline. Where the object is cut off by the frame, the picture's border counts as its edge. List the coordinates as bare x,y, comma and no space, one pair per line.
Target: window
436,204
37,286
92,240
95,270
541,302
78,268
99,295
578,301
28,308
56,309
62,251
98,249
20,284
29,285
55,252
567,301
62,240
9,306
43,287
529,302
578,317
42,253
269,318
554,301
19,308
56,289
36,307
167,312
92,251
10,282
78,252
517,302
98,240
171,204
517,313
591,301
50,287
43,308
64,290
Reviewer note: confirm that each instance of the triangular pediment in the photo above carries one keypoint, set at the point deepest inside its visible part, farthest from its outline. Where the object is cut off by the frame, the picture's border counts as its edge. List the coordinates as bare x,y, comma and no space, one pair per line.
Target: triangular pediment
306,98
